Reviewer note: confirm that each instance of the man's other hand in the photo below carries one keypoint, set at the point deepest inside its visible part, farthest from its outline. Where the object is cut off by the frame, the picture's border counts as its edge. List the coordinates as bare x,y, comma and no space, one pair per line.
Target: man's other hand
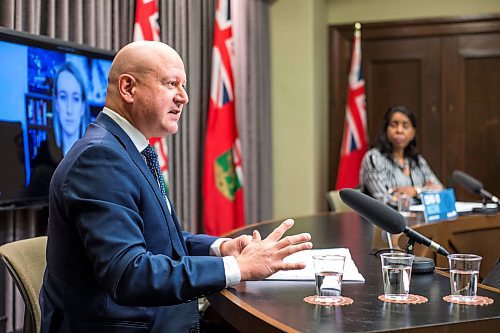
233,247
262,258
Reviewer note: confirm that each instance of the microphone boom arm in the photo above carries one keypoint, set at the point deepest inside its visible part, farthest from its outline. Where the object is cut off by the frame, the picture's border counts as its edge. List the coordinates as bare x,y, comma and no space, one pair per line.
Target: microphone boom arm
421,239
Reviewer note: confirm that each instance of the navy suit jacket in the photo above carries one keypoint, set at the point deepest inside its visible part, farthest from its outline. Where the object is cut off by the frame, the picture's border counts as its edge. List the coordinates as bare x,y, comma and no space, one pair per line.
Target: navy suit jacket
117,260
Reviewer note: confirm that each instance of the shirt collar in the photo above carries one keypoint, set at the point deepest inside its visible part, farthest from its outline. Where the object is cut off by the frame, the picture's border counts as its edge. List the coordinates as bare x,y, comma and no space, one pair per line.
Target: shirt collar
139,140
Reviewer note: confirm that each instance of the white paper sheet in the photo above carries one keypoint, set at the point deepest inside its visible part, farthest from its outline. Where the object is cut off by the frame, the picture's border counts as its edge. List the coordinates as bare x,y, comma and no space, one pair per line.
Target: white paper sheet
351,272
460,206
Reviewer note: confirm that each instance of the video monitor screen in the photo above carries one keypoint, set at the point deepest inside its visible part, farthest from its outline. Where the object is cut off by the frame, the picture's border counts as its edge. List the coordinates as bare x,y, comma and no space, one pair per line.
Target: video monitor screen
49,92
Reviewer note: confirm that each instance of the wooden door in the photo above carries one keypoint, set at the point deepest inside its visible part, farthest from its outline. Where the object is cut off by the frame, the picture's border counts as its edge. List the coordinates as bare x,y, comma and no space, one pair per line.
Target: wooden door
471,91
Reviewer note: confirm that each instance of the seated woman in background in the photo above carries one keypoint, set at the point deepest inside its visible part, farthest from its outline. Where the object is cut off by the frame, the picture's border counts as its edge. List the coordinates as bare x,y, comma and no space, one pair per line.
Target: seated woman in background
393,166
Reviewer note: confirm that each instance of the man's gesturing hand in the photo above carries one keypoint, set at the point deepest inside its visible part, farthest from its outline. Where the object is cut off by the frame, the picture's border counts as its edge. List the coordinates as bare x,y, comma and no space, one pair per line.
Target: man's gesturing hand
233,247
261,258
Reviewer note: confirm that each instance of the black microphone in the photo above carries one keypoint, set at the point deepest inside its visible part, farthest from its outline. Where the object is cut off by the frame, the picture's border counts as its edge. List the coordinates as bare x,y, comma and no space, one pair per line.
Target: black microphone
386,218
472,185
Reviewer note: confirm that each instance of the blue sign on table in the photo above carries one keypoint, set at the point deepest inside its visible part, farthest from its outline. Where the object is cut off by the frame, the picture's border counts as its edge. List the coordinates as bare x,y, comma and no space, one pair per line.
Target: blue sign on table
439,205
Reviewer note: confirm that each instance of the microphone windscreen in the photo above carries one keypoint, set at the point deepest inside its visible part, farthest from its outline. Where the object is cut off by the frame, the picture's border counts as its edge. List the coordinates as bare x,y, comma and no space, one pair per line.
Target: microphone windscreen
468,182
382,215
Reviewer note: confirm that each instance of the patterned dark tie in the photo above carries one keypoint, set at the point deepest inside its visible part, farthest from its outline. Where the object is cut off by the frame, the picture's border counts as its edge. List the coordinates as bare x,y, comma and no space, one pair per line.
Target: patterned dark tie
154,166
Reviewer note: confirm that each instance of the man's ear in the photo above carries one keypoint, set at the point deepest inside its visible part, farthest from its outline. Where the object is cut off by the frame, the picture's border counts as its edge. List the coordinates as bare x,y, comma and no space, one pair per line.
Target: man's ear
126,87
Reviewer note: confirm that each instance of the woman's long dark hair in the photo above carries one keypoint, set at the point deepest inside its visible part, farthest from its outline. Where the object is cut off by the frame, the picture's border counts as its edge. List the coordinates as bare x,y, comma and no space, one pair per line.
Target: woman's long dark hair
383,144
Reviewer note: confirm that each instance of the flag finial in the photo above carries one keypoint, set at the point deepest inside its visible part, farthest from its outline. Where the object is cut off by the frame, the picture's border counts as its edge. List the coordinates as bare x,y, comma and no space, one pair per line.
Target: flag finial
357,26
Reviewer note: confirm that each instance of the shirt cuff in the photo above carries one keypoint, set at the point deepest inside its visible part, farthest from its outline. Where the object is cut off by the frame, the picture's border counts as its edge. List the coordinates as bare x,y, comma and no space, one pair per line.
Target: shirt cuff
215,246
232,271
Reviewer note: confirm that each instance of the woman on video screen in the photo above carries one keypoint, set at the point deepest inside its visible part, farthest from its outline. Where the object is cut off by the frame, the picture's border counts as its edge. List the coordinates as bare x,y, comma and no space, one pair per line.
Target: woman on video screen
70,108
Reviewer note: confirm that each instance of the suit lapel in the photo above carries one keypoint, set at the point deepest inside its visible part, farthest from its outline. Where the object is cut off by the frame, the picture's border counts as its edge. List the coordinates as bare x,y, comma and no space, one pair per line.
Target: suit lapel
172,224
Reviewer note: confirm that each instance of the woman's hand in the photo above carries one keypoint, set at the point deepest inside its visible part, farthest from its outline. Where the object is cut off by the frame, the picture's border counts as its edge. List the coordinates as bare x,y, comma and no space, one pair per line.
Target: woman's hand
408,190
413,190
431,186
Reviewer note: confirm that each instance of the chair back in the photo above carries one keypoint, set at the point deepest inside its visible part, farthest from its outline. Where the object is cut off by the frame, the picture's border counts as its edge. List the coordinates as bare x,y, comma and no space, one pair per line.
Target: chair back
492,279
25,261
335,202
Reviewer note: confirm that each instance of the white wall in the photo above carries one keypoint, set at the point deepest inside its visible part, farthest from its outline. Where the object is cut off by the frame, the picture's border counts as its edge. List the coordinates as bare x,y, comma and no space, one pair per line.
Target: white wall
298,54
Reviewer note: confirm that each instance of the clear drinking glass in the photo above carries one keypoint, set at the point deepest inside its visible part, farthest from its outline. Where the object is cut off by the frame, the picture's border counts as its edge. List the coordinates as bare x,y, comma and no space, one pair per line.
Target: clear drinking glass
404,203
328,270
396,274
464,274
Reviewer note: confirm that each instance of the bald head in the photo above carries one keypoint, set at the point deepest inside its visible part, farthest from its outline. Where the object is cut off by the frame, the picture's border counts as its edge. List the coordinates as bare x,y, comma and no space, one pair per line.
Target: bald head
146,86
137,59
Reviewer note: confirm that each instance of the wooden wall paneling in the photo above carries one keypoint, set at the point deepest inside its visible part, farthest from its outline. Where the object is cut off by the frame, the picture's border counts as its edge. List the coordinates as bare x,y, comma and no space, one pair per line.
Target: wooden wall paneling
473,108
405,72
340,55
391,78
481,54
438,27
453,115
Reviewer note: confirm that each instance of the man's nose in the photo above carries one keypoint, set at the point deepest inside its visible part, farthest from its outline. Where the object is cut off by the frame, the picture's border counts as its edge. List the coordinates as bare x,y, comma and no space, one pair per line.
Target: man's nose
182,97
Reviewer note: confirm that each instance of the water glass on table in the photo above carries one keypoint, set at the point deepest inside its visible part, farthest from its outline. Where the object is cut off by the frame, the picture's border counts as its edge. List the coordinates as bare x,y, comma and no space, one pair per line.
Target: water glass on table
404,203
464,275
328,270
396,274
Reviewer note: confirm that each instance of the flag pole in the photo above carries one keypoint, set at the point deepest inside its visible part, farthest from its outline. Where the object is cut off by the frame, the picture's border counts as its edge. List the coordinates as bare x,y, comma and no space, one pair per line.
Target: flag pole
357,30
354,138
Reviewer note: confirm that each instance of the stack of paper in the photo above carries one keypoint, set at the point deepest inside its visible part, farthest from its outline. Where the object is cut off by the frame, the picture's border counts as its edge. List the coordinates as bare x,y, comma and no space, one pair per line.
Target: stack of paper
351,272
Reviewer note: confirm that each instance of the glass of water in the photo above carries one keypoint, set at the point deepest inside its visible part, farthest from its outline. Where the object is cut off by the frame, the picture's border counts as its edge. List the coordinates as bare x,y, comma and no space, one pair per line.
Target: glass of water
396,274
328,270
464,274
404,203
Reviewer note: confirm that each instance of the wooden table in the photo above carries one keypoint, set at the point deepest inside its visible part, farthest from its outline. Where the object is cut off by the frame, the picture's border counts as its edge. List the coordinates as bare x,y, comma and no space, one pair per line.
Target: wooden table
271,306
478,234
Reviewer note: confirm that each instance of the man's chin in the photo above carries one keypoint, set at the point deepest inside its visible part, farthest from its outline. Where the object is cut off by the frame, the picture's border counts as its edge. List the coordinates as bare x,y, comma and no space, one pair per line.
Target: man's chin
171,129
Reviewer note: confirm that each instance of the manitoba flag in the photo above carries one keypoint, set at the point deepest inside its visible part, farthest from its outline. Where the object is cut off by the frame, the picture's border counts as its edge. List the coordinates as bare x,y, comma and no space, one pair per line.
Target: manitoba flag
355,138
146,27
222,176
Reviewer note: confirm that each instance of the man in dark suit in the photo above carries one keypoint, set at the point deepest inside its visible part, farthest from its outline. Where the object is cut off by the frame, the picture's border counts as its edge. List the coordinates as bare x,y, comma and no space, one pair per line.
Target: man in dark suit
117,259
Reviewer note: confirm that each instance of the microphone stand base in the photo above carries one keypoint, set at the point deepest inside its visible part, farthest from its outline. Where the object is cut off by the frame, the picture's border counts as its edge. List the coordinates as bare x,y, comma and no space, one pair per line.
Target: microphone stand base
422,265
